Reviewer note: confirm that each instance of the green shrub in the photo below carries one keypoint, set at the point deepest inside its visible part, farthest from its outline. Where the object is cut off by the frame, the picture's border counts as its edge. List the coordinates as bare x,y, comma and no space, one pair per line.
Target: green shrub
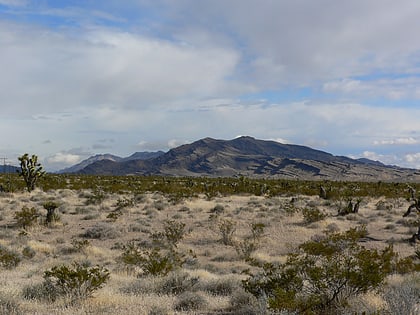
96,197
154,261
8,258
80,245
173,233
124,203
311,215
76,282
26,217
227,228
250,244
323,274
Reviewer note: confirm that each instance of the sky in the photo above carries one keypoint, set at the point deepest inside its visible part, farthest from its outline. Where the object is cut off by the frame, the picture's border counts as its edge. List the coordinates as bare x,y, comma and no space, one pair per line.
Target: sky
85,77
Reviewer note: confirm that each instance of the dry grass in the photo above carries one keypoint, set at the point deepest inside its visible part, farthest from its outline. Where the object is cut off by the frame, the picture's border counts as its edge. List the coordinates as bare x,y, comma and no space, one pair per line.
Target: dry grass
211,281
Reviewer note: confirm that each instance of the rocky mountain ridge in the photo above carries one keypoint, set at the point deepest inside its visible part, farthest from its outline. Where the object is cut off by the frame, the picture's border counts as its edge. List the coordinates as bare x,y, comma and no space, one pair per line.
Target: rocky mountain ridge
246,156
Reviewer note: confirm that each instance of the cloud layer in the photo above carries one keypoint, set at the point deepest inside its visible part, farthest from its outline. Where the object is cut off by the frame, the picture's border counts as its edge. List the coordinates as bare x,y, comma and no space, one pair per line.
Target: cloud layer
82,78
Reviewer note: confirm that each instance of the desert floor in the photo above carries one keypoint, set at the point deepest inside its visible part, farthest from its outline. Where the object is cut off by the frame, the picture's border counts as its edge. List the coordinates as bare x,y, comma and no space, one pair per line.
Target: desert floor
211,276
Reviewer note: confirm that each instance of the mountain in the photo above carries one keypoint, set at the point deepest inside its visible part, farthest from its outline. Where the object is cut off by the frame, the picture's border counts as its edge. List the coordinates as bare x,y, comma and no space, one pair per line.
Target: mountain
254,158
99,157
143,155
8,169
109,157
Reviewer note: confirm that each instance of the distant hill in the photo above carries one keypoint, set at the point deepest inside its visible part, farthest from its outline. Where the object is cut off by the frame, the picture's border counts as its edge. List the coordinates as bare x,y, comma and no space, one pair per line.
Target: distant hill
109,157
254,158
8,169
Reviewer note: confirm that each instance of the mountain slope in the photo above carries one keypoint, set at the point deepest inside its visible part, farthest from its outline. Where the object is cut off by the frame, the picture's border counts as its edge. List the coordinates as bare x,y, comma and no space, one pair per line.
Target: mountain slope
109,157
255,158
99,157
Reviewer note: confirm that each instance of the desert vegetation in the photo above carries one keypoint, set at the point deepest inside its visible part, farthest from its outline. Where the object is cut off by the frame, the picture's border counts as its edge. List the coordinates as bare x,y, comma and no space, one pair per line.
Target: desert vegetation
161,245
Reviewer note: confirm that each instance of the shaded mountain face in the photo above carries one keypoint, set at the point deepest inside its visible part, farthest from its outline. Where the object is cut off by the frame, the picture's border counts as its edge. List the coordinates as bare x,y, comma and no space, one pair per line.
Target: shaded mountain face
105,158
9,169
254,158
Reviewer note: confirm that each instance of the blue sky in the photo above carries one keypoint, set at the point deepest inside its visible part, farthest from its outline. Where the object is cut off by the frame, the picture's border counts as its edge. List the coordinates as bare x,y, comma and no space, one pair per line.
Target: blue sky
80,78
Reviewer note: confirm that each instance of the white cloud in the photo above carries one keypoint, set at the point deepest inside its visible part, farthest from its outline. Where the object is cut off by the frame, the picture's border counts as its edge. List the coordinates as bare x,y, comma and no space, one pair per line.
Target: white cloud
173,143
103,66
398,141
393,89
64,158
14,2
290,42
413,159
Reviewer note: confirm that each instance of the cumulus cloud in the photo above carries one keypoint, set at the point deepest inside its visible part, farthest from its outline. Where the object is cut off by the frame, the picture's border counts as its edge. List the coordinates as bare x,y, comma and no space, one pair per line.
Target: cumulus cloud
165,75
63,158
292,43
104,66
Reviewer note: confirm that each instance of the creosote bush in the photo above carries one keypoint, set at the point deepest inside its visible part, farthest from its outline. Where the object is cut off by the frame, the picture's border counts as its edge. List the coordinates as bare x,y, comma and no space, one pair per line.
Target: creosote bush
323,274
76,282
173,232
312,215
8,258
163,257
26,217
250,244
226,229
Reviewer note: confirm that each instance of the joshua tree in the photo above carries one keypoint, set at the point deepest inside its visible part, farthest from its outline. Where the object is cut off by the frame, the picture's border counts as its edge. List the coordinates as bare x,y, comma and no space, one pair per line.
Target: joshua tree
351,208
30,170
414,206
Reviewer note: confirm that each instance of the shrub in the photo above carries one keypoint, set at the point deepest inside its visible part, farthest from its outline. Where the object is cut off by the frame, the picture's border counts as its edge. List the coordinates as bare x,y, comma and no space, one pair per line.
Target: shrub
28,252
312,215
243,303
124,203
227,228
218,209
250,244
152,261
173,233
101,231
190,301
8,258
80,245
223,286
76,282
44,291
26,217
175,283
323,274
96,198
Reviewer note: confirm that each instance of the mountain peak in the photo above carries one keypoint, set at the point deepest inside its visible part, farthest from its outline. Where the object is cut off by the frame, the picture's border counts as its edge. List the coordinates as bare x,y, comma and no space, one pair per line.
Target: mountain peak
251,157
